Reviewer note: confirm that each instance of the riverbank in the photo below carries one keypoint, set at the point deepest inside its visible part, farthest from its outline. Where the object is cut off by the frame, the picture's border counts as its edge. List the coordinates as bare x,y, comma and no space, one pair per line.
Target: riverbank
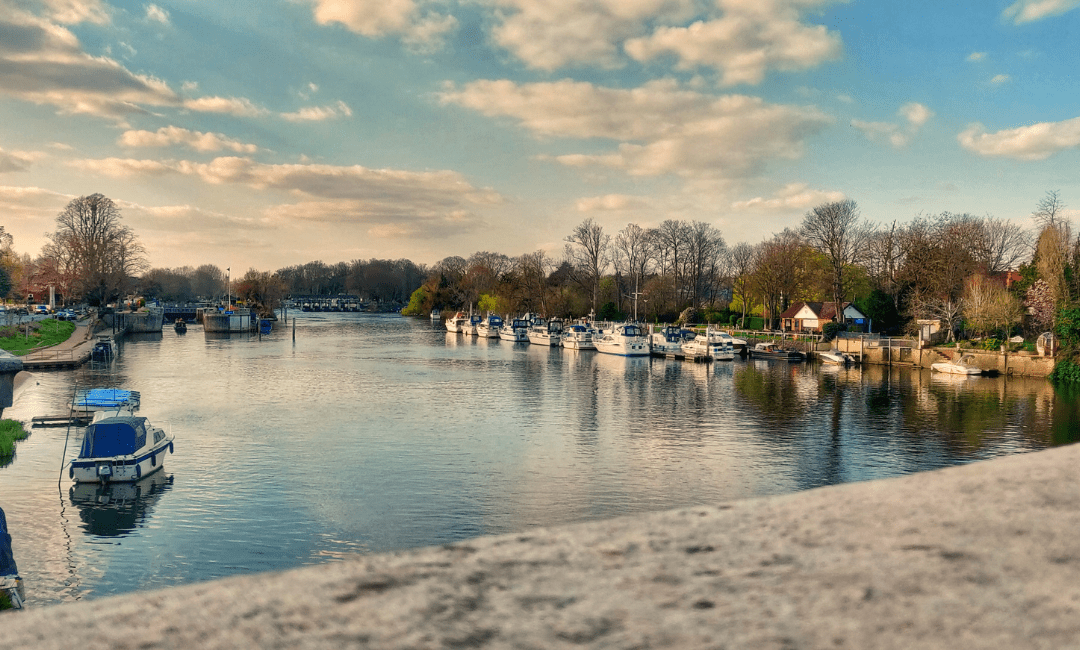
982,555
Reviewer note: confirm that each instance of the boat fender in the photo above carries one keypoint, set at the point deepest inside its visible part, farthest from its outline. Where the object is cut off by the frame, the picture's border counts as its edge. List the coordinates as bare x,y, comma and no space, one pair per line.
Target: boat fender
170,447
71,471
138,471
153,460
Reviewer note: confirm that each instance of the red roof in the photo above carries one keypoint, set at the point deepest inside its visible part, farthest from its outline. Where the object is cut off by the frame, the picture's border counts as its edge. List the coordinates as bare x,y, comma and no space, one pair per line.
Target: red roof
822,310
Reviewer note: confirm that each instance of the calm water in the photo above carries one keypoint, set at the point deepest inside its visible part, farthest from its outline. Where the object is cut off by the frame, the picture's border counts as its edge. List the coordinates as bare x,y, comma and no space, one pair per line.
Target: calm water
373,433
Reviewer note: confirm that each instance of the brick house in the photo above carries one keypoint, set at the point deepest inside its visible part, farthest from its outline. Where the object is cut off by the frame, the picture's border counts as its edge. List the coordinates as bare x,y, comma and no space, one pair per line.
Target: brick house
811,316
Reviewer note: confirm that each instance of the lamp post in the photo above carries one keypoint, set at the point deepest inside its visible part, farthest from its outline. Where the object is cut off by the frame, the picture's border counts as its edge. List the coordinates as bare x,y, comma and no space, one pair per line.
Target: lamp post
228,289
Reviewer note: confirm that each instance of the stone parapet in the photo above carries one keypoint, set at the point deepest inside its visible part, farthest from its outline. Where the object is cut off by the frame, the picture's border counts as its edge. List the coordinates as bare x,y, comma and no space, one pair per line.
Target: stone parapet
980,556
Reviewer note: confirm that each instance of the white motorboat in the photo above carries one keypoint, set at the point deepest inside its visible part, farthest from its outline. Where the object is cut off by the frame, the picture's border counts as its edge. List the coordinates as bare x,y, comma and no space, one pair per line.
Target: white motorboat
770,350
469,328
836,357
668,340
457,322
624,340
578,337
488,328
713,344
516,331
965,365
547,333
436,314
120,448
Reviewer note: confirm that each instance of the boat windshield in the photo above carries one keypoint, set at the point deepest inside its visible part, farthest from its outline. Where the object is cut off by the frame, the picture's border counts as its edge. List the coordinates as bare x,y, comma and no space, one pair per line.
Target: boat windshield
632,330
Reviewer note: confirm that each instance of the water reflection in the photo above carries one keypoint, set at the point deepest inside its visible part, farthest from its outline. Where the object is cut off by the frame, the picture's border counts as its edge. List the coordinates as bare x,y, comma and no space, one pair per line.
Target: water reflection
373,433
117,509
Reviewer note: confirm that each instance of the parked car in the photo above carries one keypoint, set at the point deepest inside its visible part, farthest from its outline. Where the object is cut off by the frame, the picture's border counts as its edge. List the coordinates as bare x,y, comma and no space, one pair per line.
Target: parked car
41,310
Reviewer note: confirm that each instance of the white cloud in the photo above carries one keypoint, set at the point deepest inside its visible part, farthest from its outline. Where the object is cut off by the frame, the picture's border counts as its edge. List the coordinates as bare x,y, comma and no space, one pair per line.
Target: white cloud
238,106
1026,11
71,12
123,167
793,196
319,113
43,63
170,135
610,203
750,39
157,14
976,56
660,128
1034,142
421,29
1000,79
741,39
15,161
914,113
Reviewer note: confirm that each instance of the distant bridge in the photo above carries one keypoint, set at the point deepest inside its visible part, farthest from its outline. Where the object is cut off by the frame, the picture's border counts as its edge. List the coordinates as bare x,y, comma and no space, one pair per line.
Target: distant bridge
339,302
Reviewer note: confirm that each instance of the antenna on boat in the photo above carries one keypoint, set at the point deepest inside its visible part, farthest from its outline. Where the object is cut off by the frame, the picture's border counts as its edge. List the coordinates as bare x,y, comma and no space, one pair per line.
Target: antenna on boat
63,459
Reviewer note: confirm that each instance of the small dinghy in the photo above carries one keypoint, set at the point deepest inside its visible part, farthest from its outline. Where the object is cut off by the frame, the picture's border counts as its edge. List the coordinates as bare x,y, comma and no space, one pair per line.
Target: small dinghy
120,448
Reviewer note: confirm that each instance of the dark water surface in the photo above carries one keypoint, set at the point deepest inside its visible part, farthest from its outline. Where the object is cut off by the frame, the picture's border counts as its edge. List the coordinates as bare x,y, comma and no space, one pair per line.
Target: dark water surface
373,432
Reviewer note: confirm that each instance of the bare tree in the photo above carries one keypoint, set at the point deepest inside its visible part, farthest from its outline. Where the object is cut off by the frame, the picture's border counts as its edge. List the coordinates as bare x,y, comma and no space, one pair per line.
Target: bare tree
587,248
1000,245
633,253
742,267
705,249
670,238
93,247
1050,211
533,269
837,231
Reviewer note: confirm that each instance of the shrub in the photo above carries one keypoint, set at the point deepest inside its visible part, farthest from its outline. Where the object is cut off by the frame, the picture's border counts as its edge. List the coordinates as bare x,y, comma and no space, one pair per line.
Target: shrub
10,431
990,343
830,329
1065,372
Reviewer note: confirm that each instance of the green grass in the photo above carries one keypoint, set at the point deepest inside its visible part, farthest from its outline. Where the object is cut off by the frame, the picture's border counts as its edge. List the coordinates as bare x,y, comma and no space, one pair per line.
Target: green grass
10,431
42,334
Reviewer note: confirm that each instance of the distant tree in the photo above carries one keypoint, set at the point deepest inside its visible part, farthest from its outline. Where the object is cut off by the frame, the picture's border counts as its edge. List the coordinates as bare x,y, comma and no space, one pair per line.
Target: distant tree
988,307
837,231
208,282
587,247
1050,211
633,254
90,244
742,268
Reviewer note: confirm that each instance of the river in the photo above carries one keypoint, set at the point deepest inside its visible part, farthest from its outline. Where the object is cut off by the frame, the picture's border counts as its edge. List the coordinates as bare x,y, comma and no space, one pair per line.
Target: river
370,433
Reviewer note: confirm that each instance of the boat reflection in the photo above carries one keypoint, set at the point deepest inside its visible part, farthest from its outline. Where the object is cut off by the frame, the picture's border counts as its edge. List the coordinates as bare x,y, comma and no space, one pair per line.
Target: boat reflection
117,509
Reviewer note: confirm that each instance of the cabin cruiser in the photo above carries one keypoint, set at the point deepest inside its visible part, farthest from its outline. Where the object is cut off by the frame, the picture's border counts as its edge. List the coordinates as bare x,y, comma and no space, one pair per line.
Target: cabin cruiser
469,328
11,585
624,340
713,344
180,326
457,322
488,328
668,340
965,365
548,333
578,337
770,350
516,331
119,448
836,356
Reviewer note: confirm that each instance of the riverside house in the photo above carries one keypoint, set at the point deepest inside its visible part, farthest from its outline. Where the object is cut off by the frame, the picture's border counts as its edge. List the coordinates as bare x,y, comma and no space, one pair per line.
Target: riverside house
812,316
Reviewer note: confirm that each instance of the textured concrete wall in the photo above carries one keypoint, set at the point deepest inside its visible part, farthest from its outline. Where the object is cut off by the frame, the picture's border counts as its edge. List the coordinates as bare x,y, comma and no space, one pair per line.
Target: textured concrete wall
981,556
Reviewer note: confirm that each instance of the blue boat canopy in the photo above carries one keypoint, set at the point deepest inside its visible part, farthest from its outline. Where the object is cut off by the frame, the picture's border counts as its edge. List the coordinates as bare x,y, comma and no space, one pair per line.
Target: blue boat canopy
7,559
119,436
106,398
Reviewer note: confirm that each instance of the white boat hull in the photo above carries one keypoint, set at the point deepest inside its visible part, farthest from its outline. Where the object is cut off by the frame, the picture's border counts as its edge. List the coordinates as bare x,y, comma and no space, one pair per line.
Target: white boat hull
121,469
955,369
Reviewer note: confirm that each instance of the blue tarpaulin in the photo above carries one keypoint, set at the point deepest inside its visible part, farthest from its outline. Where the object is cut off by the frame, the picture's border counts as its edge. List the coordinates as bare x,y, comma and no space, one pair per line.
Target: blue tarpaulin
119,436
7,560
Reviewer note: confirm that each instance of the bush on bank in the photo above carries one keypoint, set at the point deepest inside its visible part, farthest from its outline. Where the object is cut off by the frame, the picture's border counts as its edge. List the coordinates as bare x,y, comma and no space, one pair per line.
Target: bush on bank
10,431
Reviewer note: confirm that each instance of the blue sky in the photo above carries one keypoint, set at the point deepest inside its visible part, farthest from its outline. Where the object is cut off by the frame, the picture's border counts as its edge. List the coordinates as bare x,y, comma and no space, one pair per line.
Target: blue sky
264,134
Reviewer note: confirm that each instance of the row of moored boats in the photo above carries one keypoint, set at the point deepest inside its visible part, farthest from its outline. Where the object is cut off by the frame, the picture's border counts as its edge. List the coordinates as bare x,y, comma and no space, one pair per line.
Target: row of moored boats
625,339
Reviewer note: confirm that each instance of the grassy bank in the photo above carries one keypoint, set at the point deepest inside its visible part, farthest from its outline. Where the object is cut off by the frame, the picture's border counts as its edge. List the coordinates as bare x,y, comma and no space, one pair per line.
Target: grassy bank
10,431
43,333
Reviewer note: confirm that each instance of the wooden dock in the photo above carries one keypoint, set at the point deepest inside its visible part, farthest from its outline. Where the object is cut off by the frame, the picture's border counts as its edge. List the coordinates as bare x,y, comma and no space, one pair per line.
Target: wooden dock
77,419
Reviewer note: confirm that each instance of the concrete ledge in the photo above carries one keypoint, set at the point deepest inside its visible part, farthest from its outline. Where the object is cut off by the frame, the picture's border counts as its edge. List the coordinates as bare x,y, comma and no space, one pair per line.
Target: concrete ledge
981,556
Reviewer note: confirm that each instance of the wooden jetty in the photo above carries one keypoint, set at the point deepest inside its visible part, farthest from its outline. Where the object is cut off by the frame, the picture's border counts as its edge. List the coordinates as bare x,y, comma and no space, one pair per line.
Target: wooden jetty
77,419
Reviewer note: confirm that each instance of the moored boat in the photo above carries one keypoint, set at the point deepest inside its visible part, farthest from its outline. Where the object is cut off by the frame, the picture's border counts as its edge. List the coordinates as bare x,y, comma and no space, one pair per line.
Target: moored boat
668,340
623,340
713,345
105,399
965,365
456,323
835,356
120,448
770,350
488,328
516,331
11,585
547,333
578,337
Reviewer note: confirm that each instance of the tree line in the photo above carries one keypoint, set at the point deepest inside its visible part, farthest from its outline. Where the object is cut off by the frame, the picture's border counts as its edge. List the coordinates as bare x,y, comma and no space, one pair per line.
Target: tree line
944,266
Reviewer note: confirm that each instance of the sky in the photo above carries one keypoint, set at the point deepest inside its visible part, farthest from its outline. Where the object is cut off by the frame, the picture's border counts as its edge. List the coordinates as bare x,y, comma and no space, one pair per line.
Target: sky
272,133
